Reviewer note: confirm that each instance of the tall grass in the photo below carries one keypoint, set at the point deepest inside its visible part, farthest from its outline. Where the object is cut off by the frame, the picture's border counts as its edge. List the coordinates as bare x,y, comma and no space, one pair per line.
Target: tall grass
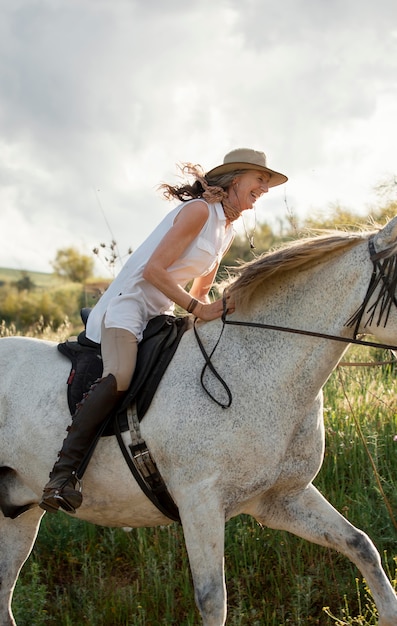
82,575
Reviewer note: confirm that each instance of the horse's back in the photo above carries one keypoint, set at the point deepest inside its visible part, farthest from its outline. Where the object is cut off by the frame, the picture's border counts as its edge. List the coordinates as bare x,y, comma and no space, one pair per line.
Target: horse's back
32,393
28,355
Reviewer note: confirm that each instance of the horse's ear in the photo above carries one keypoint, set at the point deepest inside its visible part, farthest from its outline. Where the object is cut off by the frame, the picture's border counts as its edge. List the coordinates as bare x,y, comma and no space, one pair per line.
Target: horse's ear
388,234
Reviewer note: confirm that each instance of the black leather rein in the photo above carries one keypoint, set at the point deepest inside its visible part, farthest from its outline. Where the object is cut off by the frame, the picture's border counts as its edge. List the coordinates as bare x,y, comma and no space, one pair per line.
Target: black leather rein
380,274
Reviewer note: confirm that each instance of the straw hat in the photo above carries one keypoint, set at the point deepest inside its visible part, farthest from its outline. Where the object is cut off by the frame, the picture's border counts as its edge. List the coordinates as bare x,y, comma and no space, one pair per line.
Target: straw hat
246,159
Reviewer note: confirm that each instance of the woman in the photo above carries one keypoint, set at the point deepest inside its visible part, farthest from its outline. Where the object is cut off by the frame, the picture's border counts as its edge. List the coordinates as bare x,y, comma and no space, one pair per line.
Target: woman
186,246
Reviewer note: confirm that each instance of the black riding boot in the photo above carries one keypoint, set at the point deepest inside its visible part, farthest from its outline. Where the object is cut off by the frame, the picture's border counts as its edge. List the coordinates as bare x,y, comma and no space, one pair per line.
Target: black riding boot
61,490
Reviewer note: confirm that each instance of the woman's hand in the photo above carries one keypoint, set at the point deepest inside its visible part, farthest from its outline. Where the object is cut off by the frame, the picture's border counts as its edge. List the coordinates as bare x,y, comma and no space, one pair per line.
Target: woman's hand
213,310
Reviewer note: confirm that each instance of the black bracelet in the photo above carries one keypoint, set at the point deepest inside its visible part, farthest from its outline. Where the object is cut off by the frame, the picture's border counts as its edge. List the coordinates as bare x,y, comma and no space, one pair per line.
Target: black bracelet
192,305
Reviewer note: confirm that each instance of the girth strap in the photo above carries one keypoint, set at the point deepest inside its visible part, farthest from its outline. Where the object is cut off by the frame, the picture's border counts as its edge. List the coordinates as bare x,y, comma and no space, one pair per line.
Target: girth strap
144,469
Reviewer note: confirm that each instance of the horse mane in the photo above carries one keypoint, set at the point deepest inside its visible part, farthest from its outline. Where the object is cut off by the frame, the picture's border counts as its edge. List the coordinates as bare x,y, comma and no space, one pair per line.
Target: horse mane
289,256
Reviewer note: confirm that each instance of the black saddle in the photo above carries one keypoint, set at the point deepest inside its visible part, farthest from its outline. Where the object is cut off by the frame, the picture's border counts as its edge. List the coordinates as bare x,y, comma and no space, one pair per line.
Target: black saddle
160,340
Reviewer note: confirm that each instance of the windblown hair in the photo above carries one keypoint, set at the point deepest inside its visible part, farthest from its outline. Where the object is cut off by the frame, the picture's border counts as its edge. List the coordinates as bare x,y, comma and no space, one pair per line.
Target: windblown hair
297,254
211,189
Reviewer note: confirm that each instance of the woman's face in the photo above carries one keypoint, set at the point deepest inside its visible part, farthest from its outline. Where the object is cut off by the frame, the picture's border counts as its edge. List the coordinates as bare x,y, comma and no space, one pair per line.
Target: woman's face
247,188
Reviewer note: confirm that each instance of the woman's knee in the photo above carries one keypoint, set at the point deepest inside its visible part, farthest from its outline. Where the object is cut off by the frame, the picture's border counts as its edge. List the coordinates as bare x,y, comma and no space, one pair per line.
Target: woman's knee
123,379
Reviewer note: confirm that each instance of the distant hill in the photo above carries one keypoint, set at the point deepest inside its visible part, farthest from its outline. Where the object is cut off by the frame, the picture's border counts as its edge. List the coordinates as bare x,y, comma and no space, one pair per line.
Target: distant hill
40,279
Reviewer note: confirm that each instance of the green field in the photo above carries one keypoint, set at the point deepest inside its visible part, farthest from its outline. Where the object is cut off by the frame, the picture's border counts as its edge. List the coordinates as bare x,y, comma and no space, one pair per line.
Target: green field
83,575
40,279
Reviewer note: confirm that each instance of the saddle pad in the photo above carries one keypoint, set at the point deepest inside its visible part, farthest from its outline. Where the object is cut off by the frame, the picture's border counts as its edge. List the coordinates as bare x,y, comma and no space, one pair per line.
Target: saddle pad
87,367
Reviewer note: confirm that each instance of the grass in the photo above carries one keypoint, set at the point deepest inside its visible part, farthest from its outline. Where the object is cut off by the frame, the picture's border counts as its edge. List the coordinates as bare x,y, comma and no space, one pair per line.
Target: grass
83,575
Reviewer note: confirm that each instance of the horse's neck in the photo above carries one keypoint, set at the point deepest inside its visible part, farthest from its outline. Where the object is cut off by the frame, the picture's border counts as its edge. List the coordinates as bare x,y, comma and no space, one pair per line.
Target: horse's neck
320,298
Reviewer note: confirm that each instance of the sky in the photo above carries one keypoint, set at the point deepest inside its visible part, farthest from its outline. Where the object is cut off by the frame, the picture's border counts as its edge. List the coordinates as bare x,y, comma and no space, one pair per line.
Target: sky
100,100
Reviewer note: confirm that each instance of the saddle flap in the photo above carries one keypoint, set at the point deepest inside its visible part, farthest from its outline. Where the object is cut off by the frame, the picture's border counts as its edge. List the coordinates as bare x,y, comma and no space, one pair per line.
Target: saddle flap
159,343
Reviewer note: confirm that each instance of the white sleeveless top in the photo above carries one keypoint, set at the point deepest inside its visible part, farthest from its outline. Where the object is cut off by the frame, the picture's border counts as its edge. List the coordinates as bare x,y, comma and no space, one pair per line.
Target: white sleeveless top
130,301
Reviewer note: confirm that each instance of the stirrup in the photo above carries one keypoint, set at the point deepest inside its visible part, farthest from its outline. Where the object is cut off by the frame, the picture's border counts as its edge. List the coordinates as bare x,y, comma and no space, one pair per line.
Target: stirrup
64,504
55,499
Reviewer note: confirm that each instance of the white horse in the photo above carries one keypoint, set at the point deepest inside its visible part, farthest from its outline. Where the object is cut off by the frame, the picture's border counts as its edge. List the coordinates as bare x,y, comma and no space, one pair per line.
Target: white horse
258,457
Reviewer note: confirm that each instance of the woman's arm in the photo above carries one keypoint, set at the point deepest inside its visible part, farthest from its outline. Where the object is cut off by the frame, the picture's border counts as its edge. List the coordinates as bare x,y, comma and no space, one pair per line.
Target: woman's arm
185,229
202,284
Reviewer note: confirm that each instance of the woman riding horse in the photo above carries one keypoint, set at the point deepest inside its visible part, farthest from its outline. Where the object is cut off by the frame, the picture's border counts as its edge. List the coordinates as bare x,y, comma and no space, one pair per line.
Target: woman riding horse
187,245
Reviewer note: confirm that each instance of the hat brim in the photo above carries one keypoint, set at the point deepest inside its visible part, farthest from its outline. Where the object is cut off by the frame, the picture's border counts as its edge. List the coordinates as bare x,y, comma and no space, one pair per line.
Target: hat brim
276,178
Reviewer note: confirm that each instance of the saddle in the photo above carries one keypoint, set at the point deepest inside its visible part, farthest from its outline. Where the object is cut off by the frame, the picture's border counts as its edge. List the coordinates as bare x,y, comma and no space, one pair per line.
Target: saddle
160,340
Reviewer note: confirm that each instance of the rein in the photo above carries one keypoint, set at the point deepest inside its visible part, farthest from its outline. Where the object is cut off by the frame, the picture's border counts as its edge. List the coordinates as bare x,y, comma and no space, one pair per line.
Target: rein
383,273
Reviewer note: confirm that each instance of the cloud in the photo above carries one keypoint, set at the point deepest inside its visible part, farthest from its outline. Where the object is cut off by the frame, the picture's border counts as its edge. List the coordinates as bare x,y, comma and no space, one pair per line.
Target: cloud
101,98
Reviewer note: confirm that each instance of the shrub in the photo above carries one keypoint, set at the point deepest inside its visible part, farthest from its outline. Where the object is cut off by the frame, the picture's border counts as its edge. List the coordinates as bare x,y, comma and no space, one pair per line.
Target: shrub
26,309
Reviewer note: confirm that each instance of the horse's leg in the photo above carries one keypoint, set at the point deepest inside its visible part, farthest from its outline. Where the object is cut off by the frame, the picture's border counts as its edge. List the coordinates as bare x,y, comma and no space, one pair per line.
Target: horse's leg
204,530
16,541
310,516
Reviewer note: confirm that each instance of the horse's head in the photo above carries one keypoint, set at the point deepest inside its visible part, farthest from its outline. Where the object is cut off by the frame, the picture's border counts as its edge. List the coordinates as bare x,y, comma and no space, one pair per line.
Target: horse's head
385,240
378,312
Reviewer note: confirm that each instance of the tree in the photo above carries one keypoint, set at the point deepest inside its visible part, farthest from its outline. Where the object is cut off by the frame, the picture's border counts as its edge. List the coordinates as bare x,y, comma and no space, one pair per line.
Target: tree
25,283
71,264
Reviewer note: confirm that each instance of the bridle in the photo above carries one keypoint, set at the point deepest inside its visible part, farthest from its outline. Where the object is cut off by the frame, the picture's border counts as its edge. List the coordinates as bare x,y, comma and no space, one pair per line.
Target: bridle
384,276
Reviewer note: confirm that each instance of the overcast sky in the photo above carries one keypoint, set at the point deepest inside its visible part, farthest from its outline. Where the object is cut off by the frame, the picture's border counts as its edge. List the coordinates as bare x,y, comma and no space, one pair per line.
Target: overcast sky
100,99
